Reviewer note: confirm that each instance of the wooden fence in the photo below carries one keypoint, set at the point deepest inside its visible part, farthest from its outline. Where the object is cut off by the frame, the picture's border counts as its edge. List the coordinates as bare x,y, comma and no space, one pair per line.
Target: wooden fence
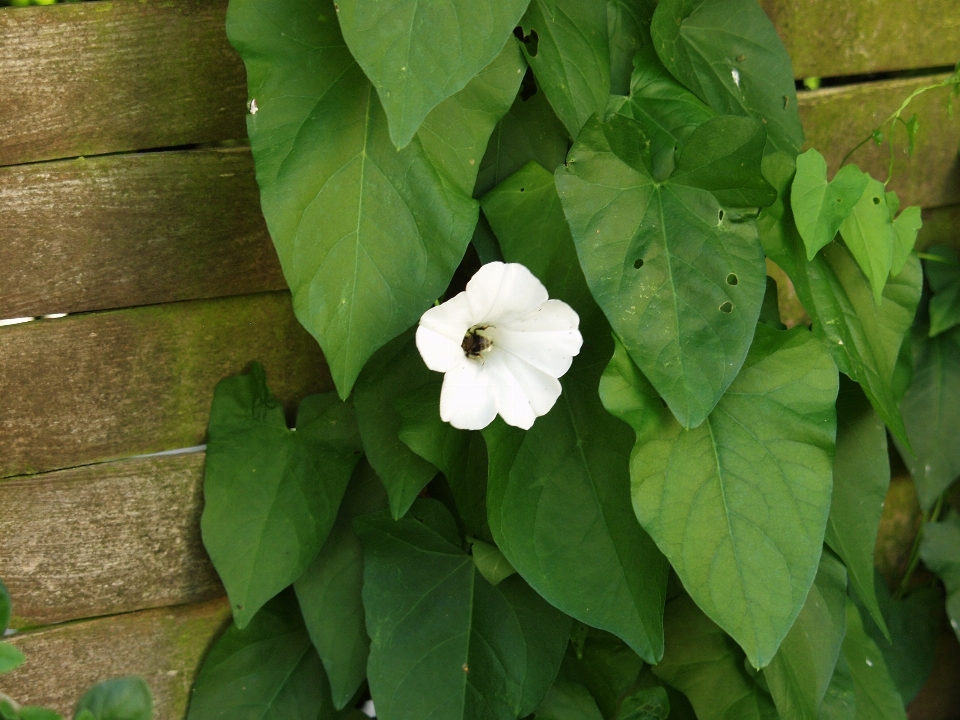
162,261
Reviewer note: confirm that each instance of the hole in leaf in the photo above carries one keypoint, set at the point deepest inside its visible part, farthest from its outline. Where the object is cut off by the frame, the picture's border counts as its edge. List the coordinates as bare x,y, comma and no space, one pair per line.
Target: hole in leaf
531,41
522,189
720,216
638,264
732,279
528,86
876,201
727,307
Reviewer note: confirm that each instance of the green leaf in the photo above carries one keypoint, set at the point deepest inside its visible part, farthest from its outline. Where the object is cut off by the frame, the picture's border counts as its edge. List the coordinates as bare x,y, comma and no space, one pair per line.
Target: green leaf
876,695
529,131
819,207
912,126
650,703
800,673
913,623
6,607
729,54
10,657
403,473
678,273
707,666
940,551
32,712
628,31
329,591
416,55
606,666
446,643
592,559
491,563
568,701
270,493
861,475
840,702
770,310
739,505
126,698
945,309
931,414
267,670
868,234
7,710
367,236
905,228
864,338
569,56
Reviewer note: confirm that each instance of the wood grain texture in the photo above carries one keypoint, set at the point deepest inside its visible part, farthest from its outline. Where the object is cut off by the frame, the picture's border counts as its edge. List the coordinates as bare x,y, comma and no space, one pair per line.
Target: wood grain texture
126,230
90,388
104,77
165,647
836,119
829,38
105,539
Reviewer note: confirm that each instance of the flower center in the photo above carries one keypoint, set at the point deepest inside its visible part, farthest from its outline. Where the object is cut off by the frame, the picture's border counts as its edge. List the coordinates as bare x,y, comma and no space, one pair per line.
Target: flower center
474,342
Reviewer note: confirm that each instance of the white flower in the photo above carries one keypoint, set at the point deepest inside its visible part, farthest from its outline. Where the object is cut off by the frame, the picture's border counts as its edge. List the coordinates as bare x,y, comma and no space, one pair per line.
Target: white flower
501,344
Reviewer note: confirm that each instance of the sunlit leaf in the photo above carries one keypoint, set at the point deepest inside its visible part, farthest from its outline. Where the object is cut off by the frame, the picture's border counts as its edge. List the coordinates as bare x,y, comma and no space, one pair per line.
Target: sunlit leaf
906,225
706,665
10,657
868,234
677,270
739,505
446,643
940,551
820,207
729,54
861,475
271,494
566,45
329,591
267,670
368,237
418,55
800,672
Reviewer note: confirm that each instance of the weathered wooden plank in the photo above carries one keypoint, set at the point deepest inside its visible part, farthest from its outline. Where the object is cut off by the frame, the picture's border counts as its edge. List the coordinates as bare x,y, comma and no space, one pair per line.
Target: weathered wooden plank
105,539
828,38
941,226
89,388
164,646
127,230
109,76
836,119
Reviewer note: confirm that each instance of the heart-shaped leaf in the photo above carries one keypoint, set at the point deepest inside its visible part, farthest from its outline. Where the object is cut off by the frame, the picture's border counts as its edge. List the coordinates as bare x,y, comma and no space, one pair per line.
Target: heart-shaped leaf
677,270
271,494
868,234
739,505
126,698
418,55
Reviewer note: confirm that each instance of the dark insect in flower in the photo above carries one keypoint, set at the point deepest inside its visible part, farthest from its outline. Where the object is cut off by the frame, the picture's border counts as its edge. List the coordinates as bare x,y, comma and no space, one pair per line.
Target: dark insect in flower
474,343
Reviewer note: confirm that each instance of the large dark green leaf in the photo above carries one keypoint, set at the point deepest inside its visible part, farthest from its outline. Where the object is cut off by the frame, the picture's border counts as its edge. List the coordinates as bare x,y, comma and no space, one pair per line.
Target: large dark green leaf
739,504
861,475
931,413
329,591
729,54
395,368
944,278
606,666
801,671
840,702
267,671
559,509
271,494
678,273
529,131
124,698
568,701
445,643
566,45
940,550
417,55
628,31
367,236
864,339
876,695
707,666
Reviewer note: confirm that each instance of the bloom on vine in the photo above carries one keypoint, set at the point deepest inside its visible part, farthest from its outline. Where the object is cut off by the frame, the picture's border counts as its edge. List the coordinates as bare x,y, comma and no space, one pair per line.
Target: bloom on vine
501,344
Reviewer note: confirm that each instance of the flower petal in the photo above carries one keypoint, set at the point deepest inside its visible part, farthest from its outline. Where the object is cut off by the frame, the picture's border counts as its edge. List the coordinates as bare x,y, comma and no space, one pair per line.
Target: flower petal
451,319
466,398
547,338
438,351
499,292
521,392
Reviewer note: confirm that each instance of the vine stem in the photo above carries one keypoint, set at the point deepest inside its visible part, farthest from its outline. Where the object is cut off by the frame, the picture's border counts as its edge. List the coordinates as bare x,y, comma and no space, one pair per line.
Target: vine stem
895,116
929,516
